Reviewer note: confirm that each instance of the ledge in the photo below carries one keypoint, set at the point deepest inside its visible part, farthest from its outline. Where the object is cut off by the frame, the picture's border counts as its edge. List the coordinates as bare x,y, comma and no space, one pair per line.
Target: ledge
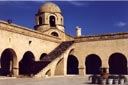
27,31
111,36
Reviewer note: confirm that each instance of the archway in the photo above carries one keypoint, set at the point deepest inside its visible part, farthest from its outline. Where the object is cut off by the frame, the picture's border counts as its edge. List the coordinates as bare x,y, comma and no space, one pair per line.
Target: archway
52,21
8,62
117,64
93,64
55,34
72,65
42,56
26,65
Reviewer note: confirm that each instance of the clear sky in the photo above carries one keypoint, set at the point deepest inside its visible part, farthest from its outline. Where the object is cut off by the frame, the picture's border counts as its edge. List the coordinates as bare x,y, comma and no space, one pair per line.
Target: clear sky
94,17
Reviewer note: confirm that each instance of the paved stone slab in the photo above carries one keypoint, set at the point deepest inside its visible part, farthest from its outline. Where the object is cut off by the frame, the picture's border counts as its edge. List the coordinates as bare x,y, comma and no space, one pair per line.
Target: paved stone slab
67,80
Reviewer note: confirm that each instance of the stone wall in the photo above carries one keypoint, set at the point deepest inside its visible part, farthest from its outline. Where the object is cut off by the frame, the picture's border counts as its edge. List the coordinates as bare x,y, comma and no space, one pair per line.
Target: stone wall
21,40
102,45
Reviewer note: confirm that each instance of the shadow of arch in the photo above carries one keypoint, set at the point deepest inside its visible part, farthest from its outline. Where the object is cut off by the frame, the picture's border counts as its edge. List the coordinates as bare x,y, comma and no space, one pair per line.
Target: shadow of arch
8,62
48,73
55,34
42,56
60,67
93,64
26,65
71,52
72,65
117,64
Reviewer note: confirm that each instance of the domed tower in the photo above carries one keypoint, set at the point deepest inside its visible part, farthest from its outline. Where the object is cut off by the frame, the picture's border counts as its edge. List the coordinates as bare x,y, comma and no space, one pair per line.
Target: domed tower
49,17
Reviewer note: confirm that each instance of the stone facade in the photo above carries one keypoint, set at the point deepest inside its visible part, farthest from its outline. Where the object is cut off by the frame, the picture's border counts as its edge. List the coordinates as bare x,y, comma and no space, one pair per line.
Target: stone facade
49,51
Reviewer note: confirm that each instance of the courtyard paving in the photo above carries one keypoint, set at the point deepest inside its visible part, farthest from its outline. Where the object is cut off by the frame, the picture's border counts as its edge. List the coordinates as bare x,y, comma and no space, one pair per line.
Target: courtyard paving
64,80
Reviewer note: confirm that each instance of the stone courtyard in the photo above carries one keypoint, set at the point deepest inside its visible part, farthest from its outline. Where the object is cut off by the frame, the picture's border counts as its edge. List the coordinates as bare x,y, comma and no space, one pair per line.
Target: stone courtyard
59,80
71,80
49,51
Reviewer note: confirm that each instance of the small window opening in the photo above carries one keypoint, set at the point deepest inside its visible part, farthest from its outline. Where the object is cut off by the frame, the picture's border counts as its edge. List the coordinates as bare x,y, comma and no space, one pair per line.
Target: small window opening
40,20
52,21
55,34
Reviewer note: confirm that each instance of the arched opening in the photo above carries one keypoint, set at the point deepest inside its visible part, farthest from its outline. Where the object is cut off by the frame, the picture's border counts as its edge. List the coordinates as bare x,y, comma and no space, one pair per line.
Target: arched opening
42,56
93,64
52,21
117,64
72,65
48,73
26,65
8,63
54,34
40,20
61,21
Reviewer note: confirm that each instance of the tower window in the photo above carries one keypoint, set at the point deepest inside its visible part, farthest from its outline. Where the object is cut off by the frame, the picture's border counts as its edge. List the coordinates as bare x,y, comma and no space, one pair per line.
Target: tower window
52,21
55,34
61,21
40,20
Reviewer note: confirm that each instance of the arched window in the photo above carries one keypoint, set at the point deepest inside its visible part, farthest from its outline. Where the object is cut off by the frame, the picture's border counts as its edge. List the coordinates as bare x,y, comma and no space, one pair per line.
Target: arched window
55,34
52,21
40,20
61,21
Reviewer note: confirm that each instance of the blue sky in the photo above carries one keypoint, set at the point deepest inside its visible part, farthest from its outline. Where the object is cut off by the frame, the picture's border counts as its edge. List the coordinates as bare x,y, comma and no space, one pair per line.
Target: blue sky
94,17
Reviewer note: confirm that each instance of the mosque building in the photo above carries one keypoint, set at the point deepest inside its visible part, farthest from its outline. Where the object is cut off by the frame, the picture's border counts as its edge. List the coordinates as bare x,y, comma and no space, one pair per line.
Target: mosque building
49,51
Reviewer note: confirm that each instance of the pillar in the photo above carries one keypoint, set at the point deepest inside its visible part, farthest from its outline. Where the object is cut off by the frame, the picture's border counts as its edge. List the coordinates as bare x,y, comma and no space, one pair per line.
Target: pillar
78,31
81,71
15,71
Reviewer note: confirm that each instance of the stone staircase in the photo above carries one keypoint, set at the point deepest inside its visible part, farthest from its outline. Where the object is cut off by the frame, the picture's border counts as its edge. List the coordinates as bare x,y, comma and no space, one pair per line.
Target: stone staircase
39,65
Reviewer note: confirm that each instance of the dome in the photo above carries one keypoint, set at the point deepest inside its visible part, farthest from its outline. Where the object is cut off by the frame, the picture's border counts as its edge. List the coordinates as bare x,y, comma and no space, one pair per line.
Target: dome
49,7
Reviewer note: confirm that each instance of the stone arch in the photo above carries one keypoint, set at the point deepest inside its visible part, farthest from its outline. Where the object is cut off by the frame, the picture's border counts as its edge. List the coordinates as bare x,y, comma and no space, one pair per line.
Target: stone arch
42,56
40,20
48,73
117,64
72,65
55,34
71,52
60,67
52,21
93,64
52,14
8,63
26,65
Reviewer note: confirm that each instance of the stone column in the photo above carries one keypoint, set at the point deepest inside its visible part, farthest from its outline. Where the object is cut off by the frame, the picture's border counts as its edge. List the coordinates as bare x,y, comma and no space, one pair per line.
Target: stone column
81,71
15,71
